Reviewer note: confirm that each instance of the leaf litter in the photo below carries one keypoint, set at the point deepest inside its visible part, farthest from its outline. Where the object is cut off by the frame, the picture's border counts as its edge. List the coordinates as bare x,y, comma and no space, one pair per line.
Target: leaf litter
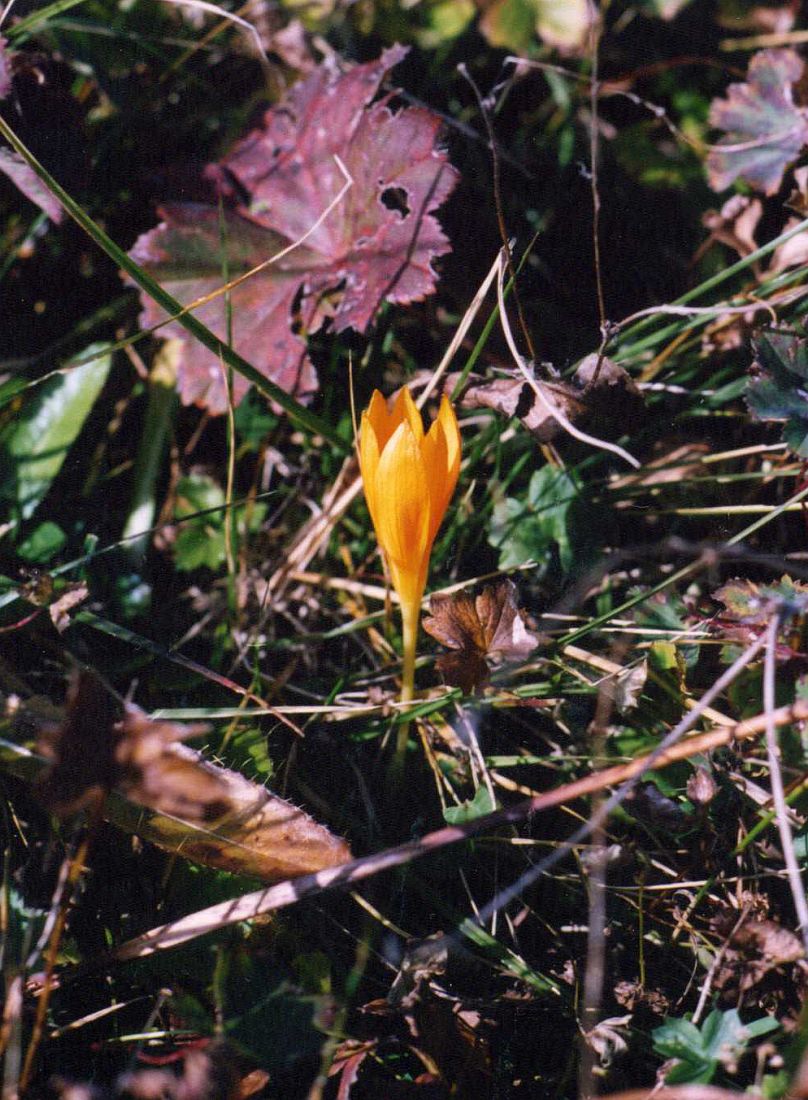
478,629
211,814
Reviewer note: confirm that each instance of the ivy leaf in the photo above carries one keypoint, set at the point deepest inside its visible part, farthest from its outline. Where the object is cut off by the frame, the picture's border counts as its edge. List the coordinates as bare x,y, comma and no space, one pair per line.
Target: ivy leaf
765,130
377,245
778,388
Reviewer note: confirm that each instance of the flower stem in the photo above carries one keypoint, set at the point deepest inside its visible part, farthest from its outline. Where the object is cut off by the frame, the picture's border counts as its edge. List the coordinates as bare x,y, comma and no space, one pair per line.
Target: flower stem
410,616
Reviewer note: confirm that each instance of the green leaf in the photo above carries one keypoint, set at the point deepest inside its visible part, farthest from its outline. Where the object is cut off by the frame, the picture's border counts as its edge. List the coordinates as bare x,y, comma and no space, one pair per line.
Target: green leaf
254,421
564,24
699,1053
764,1026
777,389
43,543
35,444
723,1033
677,1039
200,541
522,530
479,806
510,24
248,752
23,928
268,1017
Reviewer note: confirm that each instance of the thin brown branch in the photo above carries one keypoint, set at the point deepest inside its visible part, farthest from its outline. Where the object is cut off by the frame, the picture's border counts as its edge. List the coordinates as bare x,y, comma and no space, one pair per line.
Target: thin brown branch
293,890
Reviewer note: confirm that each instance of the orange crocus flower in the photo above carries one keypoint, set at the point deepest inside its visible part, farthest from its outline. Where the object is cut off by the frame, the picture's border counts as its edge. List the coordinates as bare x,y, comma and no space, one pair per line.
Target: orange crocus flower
409,477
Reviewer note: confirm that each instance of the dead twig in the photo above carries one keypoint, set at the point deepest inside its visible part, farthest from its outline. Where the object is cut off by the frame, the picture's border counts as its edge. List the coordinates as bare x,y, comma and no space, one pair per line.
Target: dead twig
293,890
776,779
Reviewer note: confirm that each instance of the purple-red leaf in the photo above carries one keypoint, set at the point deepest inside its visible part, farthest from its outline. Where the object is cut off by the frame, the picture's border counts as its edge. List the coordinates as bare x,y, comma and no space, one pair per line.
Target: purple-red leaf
26,180
765,129
5,70
12,164
377,245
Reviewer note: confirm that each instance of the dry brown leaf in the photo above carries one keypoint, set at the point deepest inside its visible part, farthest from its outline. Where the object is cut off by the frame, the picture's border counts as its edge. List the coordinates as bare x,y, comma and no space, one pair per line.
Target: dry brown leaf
683,463
81,749
200,810
206,1075
59,610
791,253
514,397
601,394
798,199
701,787
734,224
754,950
488,627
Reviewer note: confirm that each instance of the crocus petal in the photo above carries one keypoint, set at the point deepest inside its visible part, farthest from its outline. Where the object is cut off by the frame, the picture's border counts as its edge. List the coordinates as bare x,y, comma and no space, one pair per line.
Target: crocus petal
369,461
441,451
405,409
409,478
402,503
380,419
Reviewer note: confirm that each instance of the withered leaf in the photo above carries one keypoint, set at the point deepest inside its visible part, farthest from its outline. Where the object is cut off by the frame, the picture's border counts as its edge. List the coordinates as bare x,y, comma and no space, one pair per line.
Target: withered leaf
604,395
479,629
71,596
751,603
735,223
207,1074
5,69
749,607
155,770
200,810
378,245
81,749
12,164
798,199
765,129
758,947
701,787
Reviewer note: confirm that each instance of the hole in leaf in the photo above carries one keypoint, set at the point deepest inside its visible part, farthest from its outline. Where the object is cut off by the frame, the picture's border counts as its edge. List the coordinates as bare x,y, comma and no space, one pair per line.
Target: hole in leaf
395,198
